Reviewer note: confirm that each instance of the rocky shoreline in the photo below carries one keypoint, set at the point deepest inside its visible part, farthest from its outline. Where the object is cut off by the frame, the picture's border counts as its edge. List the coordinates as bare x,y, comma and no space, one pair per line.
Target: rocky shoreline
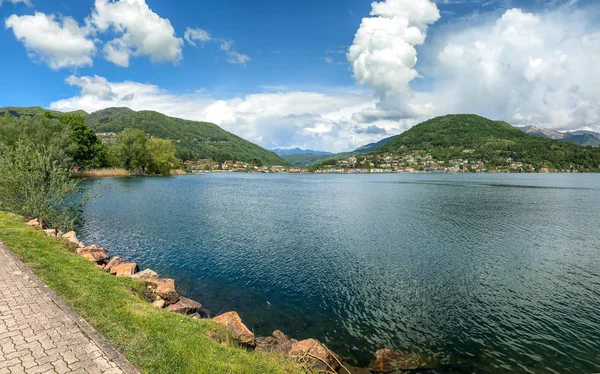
310,354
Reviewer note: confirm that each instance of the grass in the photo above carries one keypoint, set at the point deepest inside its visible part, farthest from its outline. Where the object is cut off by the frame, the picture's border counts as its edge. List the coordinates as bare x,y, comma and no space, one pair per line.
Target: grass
154,340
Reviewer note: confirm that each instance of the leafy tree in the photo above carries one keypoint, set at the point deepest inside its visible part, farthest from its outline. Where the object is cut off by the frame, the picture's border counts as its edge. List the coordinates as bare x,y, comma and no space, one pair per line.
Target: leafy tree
90,152
162,156
34,184
131,150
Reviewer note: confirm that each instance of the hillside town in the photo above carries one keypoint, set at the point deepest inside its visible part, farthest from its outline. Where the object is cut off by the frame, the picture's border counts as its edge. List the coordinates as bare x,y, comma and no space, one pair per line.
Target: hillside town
418,161
203,165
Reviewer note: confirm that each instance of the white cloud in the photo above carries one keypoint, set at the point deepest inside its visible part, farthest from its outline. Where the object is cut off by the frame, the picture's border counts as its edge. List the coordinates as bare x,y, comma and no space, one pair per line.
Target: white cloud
193,35
290,119
541,69
383,54
233,57
58,43
141,32
26,2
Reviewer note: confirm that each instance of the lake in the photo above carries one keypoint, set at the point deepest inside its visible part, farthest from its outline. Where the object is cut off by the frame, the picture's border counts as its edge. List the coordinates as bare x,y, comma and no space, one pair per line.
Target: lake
488,273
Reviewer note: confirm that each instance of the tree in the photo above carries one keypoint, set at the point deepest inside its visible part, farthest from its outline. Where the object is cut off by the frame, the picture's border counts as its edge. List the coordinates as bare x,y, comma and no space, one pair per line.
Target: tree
131,149
90,152
34,184
162,156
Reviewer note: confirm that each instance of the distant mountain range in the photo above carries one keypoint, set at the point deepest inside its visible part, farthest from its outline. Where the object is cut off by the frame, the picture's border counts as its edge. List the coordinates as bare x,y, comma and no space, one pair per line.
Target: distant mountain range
582,137
298,151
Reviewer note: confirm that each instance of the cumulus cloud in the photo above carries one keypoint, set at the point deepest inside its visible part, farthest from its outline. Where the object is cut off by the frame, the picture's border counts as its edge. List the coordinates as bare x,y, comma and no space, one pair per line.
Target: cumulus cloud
383,55
289,119
60,43
526,68
141,32
200,35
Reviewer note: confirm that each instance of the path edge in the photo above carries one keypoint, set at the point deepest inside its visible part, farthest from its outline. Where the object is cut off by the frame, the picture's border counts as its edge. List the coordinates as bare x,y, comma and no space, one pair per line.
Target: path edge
108,349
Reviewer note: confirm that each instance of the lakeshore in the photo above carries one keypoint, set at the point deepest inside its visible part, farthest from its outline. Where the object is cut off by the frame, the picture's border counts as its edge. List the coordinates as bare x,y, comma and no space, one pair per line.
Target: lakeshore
238,241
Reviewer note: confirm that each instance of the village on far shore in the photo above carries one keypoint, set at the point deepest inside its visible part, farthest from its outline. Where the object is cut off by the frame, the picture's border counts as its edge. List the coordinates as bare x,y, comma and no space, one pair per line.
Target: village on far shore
417,161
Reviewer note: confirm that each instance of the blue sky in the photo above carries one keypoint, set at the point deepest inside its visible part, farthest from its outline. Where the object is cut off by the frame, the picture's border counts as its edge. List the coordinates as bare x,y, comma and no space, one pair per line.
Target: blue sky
279,73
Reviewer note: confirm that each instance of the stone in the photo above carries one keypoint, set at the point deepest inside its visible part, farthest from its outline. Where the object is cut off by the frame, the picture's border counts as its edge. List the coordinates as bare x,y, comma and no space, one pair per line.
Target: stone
34,222
113,262
125,270
90,248
159,304
278,342
99,257
50,232
72,237
185,306
240,332
195,316
165,289
146,275
314,355
387,361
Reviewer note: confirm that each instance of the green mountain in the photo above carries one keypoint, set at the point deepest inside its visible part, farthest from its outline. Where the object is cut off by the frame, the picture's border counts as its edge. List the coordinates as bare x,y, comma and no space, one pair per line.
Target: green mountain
193,140
469,136
35,110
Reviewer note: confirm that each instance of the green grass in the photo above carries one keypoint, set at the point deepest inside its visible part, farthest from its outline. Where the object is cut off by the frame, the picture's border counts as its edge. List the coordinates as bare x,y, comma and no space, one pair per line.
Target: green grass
154,340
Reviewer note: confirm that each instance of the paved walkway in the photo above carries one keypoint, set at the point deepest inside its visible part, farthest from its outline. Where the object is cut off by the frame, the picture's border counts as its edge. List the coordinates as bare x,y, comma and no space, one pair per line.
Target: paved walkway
40,333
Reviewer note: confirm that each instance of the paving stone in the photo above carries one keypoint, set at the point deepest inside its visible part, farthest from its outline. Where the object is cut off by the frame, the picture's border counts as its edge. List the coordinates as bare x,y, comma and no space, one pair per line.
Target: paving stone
37,336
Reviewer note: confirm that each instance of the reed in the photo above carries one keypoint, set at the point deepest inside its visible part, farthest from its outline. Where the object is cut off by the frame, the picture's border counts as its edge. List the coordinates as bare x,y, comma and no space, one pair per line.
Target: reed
103,173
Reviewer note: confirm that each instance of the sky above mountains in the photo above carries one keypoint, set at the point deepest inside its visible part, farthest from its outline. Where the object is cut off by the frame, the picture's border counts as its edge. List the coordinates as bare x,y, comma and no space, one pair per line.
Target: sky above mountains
330,75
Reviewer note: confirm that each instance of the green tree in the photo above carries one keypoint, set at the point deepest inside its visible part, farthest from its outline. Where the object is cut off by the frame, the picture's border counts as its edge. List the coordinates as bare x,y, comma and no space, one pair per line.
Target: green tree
162,156
131,149
34,184
90,152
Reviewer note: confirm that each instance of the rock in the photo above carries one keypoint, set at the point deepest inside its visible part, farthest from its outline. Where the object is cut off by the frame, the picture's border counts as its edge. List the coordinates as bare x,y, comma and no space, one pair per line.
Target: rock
125,270
99,257
113,262
185,306
241,333
387,361
50,232
278,342
314,355
196,316
165,289
34,222
146,275
159,304
88,249
72,237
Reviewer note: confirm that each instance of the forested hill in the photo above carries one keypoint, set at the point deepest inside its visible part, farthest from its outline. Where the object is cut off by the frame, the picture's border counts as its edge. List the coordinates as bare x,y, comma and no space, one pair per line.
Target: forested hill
468,136
35,110
193,140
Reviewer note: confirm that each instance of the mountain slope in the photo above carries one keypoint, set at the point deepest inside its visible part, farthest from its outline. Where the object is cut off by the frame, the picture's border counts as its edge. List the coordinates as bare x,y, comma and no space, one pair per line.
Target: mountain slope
581,137
193,140
469,136
373,146
35,110
307,159
297,151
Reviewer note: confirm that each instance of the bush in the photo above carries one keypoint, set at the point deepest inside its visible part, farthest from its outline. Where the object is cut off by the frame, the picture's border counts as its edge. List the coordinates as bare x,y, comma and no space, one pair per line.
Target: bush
35,184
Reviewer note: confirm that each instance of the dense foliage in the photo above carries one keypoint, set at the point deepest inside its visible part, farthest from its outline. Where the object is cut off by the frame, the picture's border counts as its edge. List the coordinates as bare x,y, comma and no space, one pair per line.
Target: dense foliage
473,137
34,183
192,140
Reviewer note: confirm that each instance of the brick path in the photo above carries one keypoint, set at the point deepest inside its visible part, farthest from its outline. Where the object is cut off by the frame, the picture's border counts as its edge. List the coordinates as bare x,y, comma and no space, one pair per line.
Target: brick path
39,333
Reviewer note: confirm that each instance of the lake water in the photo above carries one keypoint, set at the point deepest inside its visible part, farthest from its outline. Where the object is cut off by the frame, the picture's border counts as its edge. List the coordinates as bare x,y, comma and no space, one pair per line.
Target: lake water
489,273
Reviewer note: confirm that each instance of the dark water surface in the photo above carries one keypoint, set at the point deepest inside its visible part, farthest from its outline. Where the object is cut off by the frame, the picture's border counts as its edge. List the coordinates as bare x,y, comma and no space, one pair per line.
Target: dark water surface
489,273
